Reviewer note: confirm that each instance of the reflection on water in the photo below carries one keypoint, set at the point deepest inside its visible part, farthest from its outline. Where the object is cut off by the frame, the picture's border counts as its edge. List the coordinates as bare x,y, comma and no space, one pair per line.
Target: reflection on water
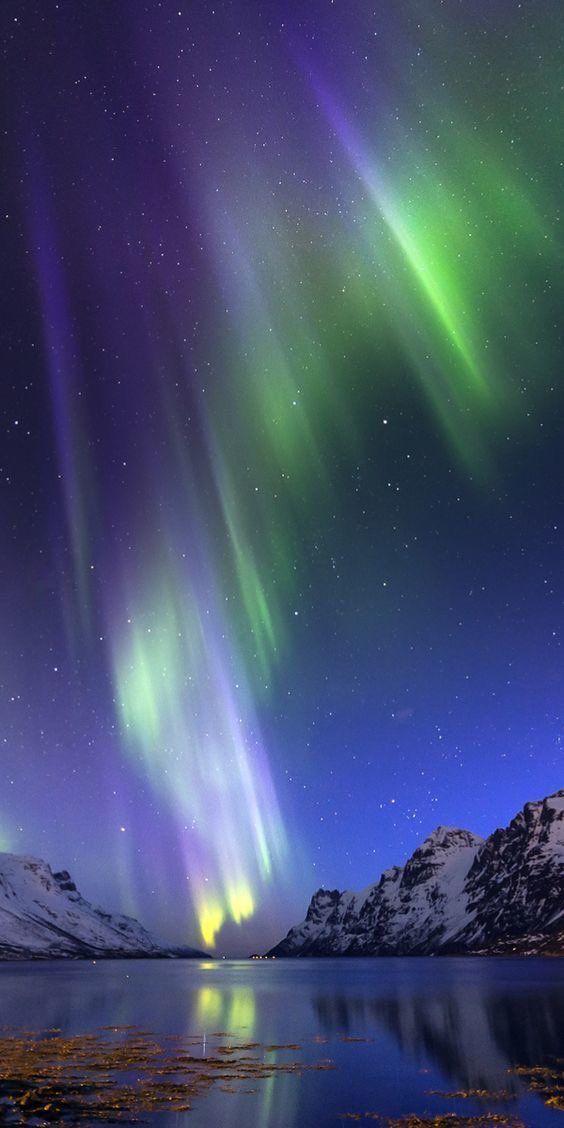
427,1025
473,1031
231,1009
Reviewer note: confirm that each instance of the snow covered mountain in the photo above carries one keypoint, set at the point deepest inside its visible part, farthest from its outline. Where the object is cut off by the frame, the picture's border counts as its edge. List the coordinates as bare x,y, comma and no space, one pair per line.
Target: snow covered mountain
42,915
457,893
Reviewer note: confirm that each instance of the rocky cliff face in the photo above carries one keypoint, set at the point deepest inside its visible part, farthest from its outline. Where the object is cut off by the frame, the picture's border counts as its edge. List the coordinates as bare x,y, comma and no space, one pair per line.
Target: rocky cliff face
42,915
457,893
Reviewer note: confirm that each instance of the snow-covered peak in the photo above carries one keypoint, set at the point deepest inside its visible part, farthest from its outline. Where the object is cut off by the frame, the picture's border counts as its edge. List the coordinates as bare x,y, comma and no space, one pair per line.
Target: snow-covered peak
452,838
322,903
457,892
556,800
42,914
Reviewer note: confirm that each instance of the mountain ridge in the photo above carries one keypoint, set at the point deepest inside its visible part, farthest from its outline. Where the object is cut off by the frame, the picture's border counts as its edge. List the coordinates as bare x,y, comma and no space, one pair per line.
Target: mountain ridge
456,894
43,916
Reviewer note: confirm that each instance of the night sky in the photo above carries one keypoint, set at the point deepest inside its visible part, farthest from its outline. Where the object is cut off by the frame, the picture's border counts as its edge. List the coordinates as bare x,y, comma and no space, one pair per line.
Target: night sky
281,462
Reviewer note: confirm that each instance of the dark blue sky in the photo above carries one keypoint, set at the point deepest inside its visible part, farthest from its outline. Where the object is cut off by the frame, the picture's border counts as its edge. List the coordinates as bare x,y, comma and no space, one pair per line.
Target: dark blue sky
281,477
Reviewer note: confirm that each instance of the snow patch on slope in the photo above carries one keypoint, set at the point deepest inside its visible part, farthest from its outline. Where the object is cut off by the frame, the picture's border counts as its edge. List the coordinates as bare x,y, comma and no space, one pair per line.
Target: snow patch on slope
43,914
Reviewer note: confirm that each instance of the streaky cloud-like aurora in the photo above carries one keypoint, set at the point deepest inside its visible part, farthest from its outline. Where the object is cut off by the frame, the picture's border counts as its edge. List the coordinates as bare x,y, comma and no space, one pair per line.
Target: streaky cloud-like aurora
186,710
249,237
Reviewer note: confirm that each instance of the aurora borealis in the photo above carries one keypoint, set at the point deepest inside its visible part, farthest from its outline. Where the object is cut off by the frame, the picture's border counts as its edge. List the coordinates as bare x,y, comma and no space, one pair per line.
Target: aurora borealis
282,452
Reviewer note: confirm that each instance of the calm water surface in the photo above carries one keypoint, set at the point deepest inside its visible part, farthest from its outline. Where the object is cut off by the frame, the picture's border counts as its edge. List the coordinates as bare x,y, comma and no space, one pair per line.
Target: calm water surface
428,1024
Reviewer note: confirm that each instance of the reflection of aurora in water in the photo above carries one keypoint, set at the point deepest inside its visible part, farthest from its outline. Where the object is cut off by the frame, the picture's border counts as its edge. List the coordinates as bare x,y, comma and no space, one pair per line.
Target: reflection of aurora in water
233,1011
394,1029
248,240
229,1010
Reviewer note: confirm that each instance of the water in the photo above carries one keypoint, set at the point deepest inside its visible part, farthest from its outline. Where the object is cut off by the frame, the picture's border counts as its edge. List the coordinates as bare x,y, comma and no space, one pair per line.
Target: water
424,1025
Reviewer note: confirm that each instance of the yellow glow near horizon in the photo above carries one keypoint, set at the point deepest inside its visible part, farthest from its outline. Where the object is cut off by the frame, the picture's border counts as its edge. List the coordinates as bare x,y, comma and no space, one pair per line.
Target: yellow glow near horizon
210,920
241,903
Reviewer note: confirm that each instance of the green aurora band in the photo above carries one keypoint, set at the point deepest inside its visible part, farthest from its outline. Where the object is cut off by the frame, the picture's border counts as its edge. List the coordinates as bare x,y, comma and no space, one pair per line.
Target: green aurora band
429,244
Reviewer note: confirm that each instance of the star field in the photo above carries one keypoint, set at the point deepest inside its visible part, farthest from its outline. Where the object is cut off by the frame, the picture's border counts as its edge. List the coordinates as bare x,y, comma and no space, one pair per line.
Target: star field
281,462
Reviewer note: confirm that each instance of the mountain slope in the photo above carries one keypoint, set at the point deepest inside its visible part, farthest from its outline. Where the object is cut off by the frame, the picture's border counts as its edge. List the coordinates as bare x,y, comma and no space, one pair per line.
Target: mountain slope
457,893
42,915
